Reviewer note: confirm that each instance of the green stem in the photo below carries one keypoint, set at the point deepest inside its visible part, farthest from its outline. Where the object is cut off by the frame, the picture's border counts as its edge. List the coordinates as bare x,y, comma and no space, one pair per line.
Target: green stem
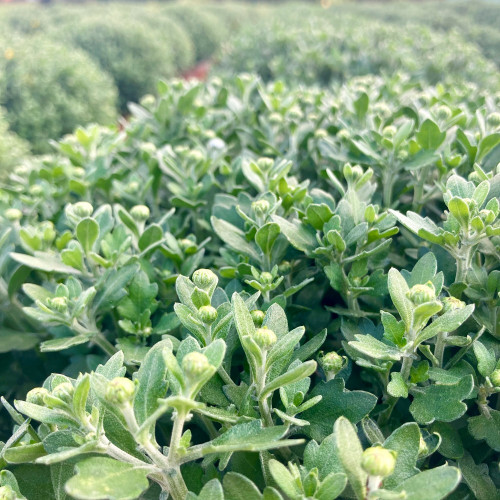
101,341
463,259
439,348
463,351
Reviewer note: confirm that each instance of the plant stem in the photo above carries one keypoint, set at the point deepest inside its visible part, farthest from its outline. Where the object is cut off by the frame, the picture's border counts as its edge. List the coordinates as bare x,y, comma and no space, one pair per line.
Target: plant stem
439,349
100,340
463,259
463,351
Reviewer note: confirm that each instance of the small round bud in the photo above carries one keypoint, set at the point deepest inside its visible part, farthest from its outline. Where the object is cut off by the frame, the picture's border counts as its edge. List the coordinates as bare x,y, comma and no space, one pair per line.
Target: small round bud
264,337
266,278
261,207
320,133
205,279
495,377
147,331
487,216
140,213
208,314
451,304
60,304
49,232
389,131
443,113
120,391
148,101
378,461
195,364
64,391
295,113
423,449
285,267
7,493
265,164
216,144
332,362
343,134
149,148
402,154
419,294
36,190
83,209
132,187
275,118
258,317
78,172
195,156
493,119
13,214
36,396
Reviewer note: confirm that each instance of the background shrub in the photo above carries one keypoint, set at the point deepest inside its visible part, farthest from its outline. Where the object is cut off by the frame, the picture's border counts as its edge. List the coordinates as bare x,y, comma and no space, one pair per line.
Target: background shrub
12,147
48,89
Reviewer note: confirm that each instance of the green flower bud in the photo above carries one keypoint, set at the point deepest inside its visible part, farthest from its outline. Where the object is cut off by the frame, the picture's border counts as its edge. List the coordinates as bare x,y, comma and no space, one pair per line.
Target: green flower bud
140,213
205,279
194,364
419,294
258,317
265,164
389,131
13,214
285,267
83,209
78,172
443,113
378,461
487,216
36,396
7,493
295,113
132,187
59,304
266,278
493,119
275,118
320,133
120,391
195,156
64,391
49,232
264,337
495,377
36,190
343,134
148,148
147,331
402,154
451,303
261,207
148,101
208,314
423,449
331,362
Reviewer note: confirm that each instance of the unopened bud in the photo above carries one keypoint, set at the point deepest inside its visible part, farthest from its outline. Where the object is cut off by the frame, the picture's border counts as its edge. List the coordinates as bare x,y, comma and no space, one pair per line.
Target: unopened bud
332,362
83,209
7,493
378,461
389,131
36,396
493,119
443,113
194,364
196,156
258,317
140,213
120,391
261,207
205,279
495,377
208,314
13,214
60,304
265,164
285,267
451,304
64,391
419,294
36,190
266,278
264,337
321,133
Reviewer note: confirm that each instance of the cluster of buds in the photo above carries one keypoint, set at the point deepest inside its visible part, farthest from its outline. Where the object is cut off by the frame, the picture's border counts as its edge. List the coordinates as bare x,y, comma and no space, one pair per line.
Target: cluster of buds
378,462
120,391
78,211
61,396
205,282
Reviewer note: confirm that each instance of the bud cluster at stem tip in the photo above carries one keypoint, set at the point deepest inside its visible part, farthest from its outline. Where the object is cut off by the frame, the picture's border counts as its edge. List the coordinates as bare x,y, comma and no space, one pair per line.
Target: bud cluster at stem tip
194,364
420,294
120,391
205,279
264,337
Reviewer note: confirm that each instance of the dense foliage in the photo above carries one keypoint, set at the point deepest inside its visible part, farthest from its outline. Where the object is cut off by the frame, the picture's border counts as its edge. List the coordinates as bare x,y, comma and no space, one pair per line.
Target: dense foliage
274,287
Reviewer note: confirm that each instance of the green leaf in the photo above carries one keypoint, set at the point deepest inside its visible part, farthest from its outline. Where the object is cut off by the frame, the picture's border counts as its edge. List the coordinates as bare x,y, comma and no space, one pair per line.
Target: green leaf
233,237
24,453
331,487
152,382
87,232
451,444
350,452
405,440
487,426
100,477
394,330
284,479
266,236
291,376
374,348
397,386
398,289
45,415
12,340
446,323
297,234
238,487
477,478
429,136
336,402
442,402
80,396
318,215
54,345
433,484
242,319
486,361
460,210
43,262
